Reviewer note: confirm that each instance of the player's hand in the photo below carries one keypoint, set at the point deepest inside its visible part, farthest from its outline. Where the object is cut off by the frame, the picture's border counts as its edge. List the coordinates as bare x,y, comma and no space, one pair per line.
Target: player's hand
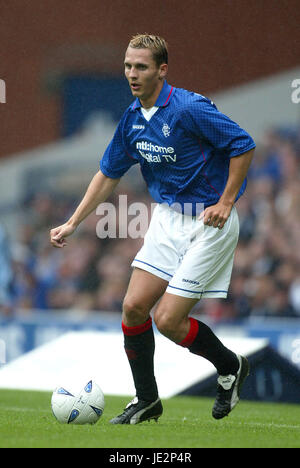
58,235
216,215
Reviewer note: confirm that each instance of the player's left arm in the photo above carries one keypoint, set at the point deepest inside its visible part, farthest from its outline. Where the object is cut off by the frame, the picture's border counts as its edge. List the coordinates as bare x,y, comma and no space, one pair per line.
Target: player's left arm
217,215
204,121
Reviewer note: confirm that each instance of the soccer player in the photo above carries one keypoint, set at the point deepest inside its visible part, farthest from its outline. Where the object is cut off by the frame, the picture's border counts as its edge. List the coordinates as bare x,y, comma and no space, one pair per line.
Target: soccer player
190,155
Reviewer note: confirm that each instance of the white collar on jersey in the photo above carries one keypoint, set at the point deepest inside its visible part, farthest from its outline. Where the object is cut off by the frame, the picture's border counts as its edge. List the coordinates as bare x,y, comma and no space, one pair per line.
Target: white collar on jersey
148,113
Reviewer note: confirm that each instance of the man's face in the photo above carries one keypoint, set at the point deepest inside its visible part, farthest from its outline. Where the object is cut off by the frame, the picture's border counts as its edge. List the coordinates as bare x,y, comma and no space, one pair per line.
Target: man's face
145,78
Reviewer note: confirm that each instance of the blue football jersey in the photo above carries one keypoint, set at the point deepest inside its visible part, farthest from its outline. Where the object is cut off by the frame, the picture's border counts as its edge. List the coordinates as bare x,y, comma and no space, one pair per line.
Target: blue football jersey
184,149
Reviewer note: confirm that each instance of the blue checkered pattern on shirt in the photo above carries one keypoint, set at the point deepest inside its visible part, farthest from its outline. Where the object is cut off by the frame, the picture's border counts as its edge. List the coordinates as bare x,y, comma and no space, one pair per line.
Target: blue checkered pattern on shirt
184,150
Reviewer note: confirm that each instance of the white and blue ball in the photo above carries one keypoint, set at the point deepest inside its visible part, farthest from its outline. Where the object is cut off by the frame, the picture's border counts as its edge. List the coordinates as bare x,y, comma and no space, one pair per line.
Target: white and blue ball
85,407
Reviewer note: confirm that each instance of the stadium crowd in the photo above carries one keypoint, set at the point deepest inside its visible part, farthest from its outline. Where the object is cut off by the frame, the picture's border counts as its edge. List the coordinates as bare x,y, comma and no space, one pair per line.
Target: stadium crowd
92,274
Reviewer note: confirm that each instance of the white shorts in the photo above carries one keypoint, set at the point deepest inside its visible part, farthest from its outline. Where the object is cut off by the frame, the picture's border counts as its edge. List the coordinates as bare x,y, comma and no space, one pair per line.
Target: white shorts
195,259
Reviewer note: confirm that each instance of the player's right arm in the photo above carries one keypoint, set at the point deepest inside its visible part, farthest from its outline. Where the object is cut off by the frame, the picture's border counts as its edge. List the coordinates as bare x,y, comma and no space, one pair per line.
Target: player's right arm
98,191
113,165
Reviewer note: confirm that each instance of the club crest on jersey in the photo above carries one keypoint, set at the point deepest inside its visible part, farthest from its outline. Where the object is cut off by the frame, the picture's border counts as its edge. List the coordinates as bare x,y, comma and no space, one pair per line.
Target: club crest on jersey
166,130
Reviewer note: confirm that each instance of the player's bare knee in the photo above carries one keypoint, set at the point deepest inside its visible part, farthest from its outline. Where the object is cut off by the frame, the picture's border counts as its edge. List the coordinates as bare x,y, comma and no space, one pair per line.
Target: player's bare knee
165,324
134,312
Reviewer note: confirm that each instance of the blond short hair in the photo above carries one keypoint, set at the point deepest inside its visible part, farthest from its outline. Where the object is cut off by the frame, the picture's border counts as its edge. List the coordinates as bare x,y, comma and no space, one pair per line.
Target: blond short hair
156,44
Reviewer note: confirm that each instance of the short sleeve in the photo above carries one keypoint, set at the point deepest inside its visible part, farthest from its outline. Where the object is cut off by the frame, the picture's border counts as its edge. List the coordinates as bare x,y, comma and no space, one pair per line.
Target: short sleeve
116,160
206,122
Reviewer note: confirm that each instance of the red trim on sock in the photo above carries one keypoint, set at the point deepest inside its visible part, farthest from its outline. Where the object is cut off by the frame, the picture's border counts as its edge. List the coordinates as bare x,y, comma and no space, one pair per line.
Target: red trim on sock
190,337
137,330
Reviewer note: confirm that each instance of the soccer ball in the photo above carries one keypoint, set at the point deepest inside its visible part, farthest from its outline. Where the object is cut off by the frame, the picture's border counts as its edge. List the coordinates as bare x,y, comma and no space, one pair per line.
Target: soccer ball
85,407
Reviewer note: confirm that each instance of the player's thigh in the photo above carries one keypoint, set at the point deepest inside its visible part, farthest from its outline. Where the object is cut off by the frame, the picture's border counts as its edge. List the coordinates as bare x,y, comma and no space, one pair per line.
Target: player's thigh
171,315
144,290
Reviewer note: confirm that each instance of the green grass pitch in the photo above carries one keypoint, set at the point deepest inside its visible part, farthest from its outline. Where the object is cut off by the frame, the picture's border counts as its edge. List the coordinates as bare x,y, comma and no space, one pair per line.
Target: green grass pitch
26,420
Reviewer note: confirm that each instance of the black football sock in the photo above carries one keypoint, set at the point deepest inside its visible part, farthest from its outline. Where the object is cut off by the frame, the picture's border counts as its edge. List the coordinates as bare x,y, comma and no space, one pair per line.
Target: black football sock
202,341
139,346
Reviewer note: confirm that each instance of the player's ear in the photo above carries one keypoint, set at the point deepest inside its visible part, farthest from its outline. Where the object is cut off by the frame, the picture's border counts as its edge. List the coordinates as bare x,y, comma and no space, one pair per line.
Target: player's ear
163,70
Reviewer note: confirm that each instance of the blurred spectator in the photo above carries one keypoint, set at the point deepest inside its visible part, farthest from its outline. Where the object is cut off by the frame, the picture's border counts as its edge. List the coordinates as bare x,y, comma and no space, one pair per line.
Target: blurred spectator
6,275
